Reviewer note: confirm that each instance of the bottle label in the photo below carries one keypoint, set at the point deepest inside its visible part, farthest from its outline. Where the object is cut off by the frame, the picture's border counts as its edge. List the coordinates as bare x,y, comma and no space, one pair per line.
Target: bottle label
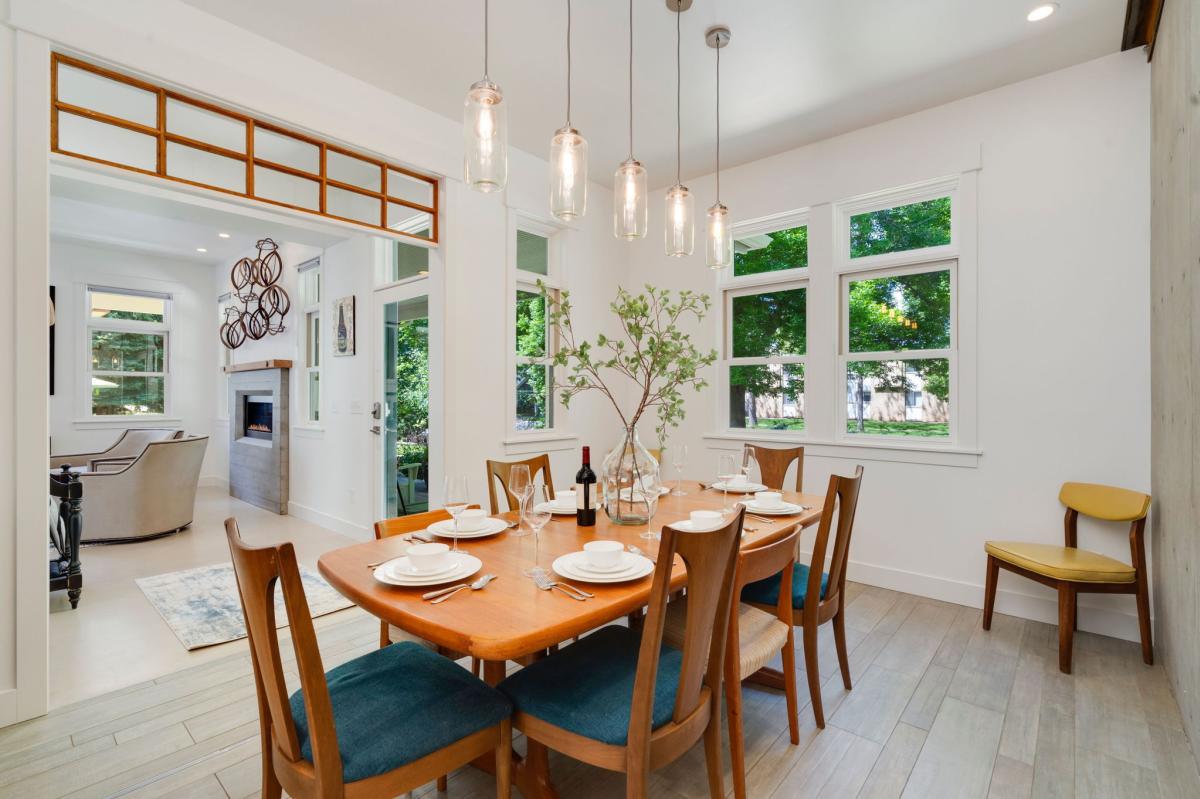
582,498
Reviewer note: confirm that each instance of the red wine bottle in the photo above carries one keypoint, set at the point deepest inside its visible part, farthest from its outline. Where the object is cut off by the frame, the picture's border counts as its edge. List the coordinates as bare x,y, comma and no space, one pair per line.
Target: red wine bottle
585,492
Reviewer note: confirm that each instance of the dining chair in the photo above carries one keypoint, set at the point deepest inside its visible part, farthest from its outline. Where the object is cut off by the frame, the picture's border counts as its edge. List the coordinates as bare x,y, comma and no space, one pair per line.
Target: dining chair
817,597
377,726
755,637
773,463
500,470
1072,571
625,701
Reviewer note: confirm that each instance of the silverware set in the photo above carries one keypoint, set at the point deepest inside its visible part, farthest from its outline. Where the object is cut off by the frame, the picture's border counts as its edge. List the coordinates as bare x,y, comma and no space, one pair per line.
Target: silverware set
442,594
544,582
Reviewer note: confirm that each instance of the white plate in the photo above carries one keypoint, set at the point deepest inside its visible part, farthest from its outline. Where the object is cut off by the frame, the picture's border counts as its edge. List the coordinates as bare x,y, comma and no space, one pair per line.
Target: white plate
402,566
782,509
627,563
739,488
685,526
445,529
467,565
563,566
561,510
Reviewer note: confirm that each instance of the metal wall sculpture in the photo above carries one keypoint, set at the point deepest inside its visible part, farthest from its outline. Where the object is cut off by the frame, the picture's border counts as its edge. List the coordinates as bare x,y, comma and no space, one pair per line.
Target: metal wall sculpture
264,302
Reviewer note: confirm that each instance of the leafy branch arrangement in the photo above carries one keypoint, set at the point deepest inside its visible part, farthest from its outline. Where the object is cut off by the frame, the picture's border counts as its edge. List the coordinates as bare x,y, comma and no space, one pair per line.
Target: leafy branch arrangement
652,352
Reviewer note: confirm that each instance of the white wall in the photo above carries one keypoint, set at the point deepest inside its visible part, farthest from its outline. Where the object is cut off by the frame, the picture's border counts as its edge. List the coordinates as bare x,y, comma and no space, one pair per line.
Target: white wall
1063,305
73,265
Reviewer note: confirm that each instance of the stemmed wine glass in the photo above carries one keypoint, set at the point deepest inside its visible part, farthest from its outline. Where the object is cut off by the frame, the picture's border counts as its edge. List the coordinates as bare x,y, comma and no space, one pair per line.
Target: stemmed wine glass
727,469
749,463
651,495
679,460
521,487
538,515
456,497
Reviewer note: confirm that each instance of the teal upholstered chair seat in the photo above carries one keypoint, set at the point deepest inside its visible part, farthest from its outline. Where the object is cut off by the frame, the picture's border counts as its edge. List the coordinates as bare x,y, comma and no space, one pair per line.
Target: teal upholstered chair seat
398,704
766,592
587,687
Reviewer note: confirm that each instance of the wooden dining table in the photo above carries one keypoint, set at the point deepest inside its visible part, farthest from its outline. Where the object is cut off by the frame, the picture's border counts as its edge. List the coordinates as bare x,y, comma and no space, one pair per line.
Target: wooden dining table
512,619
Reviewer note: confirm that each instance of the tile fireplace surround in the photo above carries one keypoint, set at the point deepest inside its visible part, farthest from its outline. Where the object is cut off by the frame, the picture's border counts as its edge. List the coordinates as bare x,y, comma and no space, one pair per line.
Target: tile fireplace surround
258,459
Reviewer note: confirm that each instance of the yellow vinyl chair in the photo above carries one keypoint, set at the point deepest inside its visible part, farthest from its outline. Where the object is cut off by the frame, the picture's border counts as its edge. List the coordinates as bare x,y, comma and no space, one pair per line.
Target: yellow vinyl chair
1071,570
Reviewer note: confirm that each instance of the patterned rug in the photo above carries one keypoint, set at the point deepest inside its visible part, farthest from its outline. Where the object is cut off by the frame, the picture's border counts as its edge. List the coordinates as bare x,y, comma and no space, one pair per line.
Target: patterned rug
202,608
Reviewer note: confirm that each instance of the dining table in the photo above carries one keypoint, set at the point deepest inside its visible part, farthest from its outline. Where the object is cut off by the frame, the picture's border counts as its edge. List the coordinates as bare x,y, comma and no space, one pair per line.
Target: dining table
512,619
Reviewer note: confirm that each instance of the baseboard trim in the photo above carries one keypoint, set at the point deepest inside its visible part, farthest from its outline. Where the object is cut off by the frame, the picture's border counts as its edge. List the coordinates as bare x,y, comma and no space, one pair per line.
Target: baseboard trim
213,481
1099,620
330,522
8,707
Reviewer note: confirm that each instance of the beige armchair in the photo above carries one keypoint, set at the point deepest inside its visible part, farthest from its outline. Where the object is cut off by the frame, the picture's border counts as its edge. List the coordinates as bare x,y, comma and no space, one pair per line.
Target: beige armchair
124,450
154,495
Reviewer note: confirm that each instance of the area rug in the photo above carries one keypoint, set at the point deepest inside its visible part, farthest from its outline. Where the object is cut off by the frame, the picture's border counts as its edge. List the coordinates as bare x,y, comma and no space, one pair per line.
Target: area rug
202,608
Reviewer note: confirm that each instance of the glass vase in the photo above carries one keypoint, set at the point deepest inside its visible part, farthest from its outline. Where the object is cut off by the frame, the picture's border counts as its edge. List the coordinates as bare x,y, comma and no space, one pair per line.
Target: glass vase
629,481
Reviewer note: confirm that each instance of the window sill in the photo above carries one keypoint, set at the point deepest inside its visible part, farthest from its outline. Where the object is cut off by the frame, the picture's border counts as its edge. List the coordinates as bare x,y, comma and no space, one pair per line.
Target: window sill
867,449
124,422
547,441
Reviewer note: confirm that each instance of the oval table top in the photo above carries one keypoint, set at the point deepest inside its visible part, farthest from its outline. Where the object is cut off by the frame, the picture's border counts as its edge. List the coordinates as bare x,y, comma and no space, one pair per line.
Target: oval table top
511,617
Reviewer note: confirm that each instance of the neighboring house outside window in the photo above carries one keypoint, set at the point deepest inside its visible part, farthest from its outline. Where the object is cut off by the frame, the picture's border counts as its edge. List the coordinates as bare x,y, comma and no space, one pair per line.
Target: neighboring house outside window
127,339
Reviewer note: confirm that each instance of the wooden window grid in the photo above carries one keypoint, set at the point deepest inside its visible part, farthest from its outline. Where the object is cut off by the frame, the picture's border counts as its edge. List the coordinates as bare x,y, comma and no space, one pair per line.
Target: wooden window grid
162,136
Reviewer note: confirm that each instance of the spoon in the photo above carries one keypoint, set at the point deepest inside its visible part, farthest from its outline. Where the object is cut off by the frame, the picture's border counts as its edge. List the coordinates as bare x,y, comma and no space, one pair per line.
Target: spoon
475,586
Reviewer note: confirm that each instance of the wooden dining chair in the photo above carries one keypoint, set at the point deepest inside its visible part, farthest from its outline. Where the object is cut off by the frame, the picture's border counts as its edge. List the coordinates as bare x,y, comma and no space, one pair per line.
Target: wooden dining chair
1072,571
500,470
622,700
755,637
773,463
376,726
817,597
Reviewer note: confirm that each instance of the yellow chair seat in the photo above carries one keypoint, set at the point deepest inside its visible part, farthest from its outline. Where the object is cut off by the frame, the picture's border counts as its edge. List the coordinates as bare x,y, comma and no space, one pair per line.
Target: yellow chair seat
1062,563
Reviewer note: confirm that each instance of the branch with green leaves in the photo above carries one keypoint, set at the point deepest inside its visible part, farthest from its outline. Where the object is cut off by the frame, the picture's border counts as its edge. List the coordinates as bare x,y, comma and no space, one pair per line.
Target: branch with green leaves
651,351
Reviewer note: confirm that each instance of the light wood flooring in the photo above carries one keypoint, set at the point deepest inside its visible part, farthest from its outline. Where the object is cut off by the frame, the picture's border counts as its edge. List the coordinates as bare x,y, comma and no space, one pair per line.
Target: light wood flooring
939,709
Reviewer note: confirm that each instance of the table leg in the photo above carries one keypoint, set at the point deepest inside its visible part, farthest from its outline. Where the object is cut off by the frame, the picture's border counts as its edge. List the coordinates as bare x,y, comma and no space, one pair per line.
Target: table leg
531,773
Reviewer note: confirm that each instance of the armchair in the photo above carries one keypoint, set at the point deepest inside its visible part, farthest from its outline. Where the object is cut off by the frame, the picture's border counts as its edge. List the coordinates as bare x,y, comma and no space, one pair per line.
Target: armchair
127,447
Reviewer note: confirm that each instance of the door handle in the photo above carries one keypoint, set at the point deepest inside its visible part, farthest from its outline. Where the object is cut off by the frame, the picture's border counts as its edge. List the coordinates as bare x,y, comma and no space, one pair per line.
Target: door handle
375,429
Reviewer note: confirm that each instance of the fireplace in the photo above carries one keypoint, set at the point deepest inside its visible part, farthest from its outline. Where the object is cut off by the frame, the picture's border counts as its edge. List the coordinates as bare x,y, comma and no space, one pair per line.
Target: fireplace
257,416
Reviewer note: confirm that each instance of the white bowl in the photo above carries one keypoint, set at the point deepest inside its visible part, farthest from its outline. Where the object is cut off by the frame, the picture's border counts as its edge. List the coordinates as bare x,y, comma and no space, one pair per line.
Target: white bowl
428,558
471,520
768,499
603,554
705,519
564,498
737,480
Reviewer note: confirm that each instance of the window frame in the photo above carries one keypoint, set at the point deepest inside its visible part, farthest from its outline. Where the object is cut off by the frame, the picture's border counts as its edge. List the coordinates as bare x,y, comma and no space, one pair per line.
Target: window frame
310,314
893,198
163,329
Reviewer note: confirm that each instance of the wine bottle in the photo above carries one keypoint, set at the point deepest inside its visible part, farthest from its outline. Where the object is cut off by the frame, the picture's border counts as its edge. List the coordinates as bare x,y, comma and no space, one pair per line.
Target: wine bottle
585,492
342,333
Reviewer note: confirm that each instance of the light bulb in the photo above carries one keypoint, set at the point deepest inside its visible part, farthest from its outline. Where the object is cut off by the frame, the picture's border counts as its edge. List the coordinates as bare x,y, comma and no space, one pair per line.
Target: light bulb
630,210
718,249
568,174
679,232
1041,12
485,137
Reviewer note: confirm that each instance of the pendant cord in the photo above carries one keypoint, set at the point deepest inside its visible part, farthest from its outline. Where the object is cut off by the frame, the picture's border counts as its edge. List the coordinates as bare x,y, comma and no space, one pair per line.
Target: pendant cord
678,95
718,125
568,63
630,80
485,39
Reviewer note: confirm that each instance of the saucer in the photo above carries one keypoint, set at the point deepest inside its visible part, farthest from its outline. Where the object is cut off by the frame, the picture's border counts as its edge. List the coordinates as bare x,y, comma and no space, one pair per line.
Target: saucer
685,526
402,566
567,566
555,508
739,488
465,566
625,563
782,509
445,529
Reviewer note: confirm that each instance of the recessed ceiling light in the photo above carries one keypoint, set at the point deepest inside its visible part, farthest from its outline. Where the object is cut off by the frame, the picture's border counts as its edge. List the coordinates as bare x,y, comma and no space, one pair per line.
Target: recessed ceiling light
1041,12
201,249
223,235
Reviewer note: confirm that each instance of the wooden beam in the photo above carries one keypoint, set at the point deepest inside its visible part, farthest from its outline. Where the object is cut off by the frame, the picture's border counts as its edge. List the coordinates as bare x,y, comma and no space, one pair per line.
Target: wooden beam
1141,25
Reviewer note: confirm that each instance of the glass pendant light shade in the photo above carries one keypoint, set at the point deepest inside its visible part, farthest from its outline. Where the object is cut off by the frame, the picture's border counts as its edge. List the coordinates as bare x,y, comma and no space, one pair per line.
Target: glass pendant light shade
630,210
679,234
718,249
568,174
485,137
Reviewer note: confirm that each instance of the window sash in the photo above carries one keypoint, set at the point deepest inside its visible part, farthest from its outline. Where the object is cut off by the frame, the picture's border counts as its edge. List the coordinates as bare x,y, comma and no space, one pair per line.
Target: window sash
772,287
923,267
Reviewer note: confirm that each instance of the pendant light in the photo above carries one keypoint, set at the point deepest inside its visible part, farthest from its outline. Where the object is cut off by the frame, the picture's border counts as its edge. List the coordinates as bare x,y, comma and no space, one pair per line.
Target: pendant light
678,230
568,158
630,211
485,129
718,247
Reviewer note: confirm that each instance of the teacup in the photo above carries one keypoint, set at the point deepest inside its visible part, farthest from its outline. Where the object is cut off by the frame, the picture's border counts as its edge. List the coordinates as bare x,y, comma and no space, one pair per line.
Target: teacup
428,558
738,480
603,554
565,498
471,520
705,519
768,499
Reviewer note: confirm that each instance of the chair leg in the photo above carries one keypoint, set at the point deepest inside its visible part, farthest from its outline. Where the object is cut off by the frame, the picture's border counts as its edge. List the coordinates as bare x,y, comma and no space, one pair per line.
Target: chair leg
475,667
790,691
737,743
712,752
1066,625
503,762
271,789
384,639
443,783
989,591
813,669
1143,610
839,639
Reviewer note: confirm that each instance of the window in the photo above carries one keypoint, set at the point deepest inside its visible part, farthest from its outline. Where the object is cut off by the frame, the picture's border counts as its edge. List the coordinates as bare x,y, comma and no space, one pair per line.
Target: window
127,334
406,261
771,252
767,342
533,341
904,227
310,303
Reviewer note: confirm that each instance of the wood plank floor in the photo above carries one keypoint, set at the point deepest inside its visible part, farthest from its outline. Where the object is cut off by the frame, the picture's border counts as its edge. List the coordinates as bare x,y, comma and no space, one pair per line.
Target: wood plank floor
939,709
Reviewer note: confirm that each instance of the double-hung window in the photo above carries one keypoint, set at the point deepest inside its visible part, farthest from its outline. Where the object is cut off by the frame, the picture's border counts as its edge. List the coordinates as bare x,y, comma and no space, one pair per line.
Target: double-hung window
127,340
310,304
535,255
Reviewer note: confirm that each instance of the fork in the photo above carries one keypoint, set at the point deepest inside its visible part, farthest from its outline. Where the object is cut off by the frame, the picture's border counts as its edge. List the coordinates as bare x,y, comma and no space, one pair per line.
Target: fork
545,583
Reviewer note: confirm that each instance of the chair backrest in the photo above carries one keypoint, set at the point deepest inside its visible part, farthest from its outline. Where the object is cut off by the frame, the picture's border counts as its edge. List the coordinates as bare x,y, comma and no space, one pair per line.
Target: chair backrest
760,563
258,569
710,559
1105,502
134,441
774,463
399,525
841,502
500,470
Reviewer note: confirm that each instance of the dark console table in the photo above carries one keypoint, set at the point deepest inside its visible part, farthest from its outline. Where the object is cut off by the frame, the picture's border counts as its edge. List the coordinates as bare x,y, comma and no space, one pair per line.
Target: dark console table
66,573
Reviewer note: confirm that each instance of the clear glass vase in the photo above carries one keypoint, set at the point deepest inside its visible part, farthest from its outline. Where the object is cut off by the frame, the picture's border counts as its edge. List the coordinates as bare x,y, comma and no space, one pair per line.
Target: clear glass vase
629,481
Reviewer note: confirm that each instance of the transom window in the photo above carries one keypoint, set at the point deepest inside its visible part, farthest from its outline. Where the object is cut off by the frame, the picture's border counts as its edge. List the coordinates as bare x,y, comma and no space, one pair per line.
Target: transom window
127,337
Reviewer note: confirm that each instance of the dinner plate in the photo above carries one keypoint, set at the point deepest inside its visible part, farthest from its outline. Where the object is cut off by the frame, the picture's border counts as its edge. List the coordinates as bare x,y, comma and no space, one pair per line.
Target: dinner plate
560,510
445,529
563,566
627,563
782,509
466,566
739,488
402,566
685,526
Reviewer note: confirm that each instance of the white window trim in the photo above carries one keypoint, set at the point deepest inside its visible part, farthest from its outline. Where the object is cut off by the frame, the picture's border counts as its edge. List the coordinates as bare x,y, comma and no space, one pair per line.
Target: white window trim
164,328
306,420
224,359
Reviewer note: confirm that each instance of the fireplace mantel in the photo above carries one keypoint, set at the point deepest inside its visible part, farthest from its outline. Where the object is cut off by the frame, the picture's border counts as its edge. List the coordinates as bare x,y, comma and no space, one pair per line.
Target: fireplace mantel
255,366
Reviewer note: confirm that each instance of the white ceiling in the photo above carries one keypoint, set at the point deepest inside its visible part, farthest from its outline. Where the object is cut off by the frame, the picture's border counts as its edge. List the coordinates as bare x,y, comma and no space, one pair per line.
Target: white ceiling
796,71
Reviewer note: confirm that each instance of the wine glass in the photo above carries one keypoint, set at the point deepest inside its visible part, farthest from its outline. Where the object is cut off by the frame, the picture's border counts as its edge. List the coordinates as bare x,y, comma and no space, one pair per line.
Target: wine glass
521,487
679,460
727,468
456,496
651,496
538,515
749,464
